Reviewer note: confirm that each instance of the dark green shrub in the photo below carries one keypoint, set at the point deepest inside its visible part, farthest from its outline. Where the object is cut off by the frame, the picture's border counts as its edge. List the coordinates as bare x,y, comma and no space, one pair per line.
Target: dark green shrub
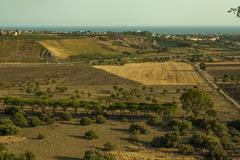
186,149
96,155
235,124
27,156
45,117
235,135
202,140
141,127
10,156
66,116
154,121
91,135
180,126
34,121
19,120
85,121
100,119
170,140
12,110
109,146
7,127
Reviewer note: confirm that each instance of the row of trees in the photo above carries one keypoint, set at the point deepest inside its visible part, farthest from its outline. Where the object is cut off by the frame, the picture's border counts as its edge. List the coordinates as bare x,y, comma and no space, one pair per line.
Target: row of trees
88,106
146,108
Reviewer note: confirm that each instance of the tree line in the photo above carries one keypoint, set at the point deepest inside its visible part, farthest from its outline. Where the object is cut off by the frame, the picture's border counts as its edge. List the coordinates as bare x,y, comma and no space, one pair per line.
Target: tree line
88,106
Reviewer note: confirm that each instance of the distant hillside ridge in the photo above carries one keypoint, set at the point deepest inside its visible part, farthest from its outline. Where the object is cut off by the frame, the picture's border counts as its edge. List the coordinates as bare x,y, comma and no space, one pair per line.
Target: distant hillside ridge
23,51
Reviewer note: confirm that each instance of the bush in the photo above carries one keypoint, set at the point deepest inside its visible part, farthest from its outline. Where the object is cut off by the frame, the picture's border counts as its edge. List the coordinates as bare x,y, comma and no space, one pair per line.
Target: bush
45,117
66,116
109,146
35,121
154,121
180,126
85,121
27,156
12,110
202,140
96,155
100,119
7,127
40,136
185,149
168,141
217,152
19,120
10,156
91,135
141,127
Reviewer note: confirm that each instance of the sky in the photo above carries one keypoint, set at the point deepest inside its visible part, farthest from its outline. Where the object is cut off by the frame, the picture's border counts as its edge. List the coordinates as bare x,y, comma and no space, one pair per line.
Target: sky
117,13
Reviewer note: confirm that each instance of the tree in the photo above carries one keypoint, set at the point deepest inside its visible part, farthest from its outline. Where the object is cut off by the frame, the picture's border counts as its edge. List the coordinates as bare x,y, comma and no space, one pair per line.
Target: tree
196,101
34,121
66,116
186,149
141,127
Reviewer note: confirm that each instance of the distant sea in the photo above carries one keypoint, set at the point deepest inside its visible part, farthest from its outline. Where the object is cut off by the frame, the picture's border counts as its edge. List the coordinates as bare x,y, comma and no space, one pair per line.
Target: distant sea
162,30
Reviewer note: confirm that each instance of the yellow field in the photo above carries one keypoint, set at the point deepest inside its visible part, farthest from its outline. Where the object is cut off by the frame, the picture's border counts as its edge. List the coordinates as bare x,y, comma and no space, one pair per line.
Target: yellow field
64,48
167,73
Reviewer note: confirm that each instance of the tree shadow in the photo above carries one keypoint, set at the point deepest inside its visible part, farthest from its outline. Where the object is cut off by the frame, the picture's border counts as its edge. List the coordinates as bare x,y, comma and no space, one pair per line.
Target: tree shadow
76,136
67,158
69,123
139,142
120,130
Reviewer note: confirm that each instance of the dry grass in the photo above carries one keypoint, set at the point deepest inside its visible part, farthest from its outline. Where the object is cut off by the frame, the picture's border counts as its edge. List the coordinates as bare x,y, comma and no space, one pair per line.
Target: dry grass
149,154
11,139
167,73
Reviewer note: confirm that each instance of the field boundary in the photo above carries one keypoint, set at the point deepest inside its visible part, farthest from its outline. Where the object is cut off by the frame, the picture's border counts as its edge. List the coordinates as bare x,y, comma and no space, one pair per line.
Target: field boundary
215,87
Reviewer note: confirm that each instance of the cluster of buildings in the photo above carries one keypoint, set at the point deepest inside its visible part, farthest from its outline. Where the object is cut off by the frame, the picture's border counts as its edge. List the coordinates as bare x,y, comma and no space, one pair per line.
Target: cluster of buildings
191,37
10,32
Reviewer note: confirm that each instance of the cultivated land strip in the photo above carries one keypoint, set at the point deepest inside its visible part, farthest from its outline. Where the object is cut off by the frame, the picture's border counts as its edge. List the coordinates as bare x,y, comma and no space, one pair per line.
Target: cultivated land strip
153,73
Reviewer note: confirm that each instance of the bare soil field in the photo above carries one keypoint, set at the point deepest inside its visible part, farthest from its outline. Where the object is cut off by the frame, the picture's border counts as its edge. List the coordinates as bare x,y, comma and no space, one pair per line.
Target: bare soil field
220,69
167,73
232,89
68,74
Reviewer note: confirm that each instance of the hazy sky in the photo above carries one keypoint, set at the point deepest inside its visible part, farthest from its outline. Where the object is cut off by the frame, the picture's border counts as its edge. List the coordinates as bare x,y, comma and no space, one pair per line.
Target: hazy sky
117,12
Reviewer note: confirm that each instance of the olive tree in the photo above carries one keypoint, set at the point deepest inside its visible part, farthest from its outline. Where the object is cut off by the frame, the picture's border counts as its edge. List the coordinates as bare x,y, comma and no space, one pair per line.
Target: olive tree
196,101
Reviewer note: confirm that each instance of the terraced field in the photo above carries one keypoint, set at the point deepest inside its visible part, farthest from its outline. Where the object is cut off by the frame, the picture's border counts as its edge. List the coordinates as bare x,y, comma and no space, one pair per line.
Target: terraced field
167,73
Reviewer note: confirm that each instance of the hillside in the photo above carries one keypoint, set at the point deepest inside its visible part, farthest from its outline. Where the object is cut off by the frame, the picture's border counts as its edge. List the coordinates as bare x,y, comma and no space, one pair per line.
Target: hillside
22,51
